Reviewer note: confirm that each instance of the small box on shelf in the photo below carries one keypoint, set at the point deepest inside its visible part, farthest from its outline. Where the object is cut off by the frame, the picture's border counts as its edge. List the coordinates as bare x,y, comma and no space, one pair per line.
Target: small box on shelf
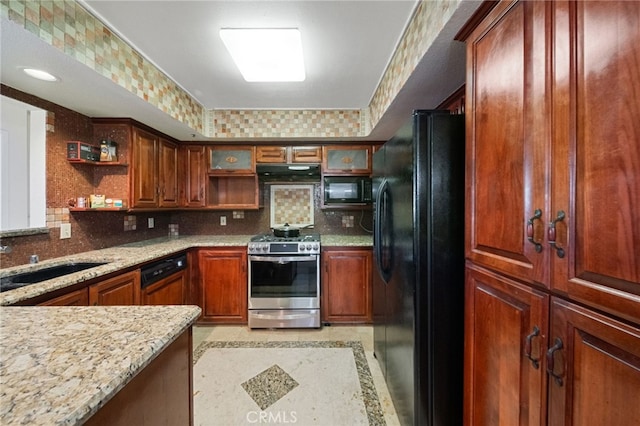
78,151
108,151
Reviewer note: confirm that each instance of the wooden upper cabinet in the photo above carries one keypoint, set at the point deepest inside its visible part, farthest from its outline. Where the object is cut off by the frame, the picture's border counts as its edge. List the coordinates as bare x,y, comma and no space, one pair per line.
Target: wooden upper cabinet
271,154
192,161
168,174
144,169
288,154
345,159
506,164
306,154
231,159
596,155
553,158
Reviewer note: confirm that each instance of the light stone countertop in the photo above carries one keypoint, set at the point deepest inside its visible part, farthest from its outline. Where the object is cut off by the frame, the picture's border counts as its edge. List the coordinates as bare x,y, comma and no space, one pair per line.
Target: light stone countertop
59,365
131,255
346,240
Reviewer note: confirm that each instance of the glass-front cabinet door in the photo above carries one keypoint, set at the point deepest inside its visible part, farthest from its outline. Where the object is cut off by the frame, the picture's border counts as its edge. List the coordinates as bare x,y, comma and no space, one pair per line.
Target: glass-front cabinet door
236,159
347,159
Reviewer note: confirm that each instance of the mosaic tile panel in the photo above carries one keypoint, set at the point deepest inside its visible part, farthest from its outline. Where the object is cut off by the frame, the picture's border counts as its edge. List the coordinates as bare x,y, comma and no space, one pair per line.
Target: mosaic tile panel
292,204
269,386
284,123
428,20
57,216
67,26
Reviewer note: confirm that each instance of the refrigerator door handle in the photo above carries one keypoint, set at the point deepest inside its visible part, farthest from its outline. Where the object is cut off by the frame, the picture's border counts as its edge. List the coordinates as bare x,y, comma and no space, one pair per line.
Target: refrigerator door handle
381,235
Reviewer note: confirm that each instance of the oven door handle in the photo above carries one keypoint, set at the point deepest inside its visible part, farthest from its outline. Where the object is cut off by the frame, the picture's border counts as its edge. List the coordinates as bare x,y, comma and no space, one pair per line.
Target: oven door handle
282,259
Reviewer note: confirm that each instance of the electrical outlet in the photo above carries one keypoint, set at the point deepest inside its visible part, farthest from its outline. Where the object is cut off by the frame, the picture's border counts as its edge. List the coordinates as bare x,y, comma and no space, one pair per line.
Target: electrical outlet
223,221
65,231
150,222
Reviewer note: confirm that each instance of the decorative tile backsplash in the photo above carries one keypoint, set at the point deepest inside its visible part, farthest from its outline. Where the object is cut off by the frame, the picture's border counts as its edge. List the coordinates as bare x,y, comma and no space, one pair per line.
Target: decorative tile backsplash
57,216
238,124
67,26
292,204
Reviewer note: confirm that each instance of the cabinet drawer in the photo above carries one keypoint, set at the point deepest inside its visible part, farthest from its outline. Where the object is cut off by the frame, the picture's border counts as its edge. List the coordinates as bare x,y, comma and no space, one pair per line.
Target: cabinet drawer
271,154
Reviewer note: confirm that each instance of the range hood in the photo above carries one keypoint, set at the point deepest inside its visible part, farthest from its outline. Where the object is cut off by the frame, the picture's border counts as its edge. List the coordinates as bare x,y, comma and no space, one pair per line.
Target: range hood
288,172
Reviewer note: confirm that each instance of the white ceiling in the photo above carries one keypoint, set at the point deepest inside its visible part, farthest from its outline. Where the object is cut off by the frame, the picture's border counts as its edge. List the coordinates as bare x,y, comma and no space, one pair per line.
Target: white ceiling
347,46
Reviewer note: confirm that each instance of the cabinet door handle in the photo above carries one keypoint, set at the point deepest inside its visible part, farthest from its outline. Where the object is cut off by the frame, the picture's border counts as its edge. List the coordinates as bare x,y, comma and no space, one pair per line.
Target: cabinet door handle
537,214
551,360
527,347
552,233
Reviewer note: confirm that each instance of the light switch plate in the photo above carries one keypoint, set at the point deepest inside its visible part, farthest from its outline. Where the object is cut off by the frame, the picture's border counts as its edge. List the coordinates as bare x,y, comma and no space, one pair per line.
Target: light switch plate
150,223
65,231
223,221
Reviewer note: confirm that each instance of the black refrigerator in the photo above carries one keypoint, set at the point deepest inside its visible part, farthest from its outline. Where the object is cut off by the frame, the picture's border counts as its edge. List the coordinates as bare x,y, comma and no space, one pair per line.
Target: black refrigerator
418,284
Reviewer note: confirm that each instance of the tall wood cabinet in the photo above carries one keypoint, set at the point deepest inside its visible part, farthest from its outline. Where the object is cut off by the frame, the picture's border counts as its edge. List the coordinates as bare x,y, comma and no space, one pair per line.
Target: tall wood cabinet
553,214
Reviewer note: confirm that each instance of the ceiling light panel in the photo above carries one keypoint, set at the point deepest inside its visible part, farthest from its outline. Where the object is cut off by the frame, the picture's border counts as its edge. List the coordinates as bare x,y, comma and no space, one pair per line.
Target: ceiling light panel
40,74
266,54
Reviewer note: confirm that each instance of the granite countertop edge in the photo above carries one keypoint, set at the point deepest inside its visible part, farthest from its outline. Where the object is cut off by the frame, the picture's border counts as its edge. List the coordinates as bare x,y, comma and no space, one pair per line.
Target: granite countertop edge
127,256
75,359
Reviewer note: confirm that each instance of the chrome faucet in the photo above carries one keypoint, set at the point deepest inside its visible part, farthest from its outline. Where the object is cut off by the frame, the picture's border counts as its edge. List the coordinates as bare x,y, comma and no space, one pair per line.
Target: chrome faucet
33,258
5,249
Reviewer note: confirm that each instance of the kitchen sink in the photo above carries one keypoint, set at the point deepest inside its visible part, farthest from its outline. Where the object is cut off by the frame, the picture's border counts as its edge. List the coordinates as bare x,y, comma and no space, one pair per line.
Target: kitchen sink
27,278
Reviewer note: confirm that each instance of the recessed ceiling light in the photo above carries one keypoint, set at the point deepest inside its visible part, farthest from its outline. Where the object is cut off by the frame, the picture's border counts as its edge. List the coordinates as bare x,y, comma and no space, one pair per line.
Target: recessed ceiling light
40,74
266,54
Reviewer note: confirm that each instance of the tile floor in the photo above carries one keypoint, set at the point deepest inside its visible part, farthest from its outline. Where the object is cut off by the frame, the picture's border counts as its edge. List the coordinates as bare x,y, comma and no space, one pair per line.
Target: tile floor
364,334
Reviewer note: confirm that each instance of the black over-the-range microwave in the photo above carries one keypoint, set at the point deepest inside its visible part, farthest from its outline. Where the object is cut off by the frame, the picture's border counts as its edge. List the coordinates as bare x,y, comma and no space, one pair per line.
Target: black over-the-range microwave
347,190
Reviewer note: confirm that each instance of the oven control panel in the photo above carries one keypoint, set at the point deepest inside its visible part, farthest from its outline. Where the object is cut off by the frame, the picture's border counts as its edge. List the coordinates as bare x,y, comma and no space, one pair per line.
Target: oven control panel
284,248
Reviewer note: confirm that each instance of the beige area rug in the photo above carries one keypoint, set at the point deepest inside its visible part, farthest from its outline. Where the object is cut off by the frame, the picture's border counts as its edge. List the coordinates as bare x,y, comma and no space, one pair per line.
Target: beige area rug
293,383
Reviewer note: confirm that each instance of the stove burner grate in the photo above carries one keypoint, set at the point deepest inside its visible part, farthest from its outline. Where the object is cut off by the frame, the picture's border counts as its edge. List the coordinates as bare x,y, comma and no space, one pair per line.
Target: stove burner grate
270,238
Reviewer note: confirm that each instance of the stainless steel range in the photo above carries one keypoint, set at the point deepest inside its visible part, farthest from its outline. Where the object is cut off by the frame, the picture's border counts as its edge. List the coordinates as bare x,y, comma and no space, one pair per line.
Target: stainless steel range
284,281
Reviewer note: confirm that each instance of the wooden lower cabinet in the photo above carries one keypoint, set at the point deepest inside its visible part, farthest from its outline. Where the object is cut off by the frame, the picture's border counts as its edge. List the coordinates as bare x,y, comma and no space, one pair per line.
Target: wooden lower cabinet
168,291
536,359
123,289
502,386
596,370
346,285
222,285
75,298
161,394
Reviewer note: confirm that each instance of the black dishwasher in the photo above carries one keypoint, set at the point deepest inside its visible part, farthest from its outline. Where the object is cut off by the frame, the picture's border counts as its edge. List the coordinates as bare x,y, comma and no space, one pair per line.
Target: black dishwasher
156,271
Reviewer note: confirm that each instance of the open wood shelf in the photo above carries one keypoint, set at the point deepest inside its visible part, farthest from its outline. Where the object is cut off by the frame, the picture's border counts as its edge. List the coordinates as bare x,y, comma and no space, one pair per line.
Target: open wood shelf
96,163
98,209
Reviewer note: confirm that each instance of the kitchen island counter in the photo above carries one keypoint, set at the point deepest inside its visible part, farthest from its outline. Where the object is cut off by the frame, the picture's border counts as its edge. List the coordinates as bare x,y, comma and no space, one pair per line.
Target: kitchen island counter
60,365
